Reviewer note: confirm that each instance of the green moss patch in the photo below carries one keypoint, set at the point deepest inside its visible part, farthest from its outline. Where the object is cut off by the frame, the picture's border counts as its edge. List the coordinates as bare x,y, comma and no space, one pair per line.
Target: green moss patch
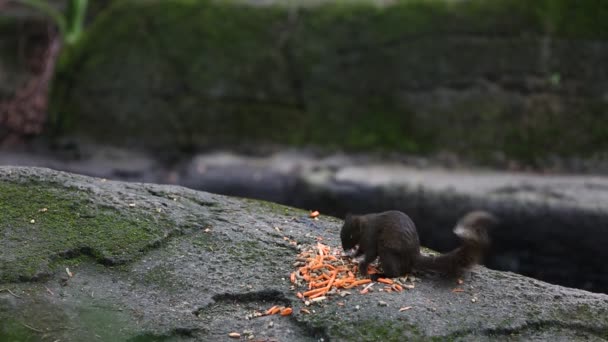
84,322
43,224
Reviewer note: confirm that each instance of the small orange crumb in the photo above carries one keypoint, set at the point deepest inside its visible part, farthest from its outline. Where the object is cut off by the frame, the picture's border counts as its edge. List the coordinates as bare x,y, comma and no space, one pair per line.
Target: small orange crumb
273,310
385,281
286,311
457,290
357,283
314,214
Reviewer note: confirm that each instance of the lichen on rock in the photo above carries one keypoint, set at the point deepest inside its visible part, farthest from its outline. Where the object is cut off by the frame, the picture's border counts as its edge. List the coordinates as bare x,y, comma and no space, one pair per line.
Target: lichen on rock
197,268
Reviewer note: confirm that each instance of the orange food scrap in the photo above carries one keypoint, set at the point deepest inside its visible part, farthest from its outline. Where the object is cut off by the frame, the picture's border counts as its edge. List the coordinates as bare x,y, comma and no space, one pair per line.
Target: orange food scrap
457,290
314,214
273,310
315,267
317,295
312,292
286,311
385,281
357,283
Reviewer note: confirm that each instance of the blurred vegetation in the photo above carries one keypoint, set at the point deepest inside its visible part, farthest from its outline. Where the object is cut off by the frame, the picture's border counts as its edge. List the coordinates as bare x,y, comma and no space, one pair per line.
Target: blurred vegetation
70,23
519,78
28,67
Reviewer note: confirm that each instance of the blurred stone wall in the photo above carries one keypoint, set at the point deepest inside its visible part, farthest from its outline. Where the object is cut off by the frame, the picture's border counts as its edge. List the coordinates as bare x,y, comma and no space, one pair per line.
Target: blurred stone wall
487,79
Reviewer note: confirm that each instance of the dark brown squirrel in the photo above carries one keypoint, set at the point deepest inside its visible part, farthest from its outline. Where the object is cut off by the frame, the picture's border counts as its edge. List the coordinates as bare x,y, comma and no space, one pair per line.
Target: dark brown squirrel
392,236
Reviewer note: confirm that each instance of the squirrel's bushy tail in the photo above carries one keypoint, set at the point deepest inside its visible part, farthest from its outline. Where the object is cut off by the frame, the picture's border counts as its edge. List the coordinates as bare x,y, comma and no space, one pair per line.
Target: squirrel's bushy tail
473,230
451,263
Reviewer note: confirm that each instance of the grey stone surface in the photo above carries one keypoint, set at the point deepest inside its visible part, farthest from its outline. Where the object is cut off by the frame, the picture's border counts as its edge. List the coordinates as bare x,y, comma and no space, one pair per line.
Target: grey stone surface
553,225
212,260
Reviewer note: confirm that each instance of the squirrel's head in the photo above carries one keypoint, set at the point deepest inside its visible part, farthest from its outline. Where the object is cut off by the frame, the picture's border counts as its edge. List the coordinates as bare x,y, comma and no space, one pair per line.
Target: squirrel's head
350,232
474,226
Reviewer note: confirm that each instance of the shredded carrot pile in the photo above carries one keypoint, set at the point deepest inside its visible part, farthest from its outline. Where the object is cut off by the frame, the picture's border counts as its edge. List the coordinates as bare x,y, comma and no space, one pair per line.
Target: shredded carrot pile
322,271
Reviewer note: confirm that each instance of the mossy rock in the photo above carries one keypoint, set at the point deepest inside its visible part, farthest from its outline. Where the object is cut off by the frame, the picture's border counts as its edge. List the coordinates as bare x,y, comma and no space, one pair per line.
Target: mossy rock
472,77
231,258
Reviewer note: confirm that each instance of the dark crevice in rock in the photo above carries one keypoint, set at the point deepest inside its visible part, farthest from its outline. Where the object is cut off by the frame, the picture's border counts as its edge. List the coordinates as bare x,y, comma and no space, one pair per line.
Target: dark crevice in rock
113,260
69,254
246,297
265,295
38,277
74,253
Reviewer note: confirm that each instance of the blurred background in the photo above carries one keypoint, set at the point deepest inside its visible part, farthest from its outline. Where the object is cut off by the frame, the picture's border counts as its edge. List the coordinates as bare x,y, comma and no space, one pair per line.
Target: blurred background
433,107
